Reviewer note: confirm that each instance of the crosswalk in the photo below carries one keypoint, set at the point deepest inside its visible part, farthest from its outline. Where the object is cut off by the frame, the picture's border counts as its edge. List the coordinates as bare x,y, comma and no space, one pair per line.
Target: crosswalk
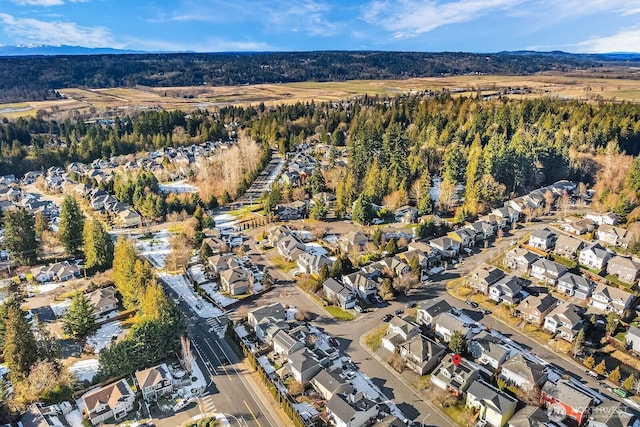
208,405
217,325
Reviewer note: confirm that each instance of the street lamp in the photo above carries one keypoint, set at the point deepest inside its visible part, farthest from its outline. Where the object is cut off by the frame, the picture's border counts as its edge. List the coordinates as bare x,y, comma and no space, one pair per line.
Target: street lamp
425,417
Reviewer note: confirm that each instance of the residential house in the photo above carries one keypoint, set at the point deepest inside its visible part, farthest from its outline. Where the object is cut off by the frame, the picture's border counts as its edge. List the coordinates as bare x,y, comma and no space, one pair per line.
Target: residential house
519,259
633,338
483,276
291,211
508,214
464,236
275,233
312,263
608,298
129,218
533,308
406,214
39,415
523,373
448,247
395,265
114,400
266,315
567,246
578,226
507,290
354,241
530,416
547,271
612,413
290,247
482,229
283,343
221,262
492,405
569,399
575,286
361,284
519,204
60,271
488,350
425,261
429,310
498,222
565,320
608,218
338,293
626,269
434,257
543,239
351,410
328,382
103,300
154,382
235,281
594,256
304,365
399,331
421,354
447,323
613,236
455,379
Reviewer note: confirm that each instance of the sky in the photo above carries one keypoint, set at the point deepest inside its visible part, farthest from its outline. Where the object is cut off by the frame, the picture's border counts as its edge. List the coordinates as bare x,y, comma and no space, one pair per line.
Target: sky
483,26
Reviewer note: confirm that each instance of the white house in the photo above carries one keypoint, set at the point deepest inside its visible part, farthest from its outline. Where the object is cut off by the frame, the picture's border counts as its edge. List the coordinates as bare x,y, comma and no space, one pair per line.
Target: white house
111,401
594,256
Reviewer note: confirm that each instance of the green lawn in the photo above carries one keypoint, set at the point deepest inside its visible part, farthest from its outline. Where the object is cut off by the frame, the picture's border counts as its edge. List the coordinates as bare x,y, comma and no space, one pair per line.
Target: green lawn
373,340
339,313
283,264
564,261
615,281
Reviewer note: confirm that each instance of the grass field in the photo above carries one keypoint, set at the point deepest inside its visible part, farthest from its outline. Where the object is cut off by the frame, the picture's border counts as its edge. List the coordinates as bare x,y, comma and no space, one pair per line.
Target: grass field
126,100
338,313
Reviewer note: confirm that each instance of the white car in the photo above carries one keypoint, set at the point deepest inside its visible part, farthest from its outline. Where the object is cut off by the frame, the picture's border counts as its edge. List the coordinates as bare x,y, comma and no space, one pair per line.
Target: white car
378,221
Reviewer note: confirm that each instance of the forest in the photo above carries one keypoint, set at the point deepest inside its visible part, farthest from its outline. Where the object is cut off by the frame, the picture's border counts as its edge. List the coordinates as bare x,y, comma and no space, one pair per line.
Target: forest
30,78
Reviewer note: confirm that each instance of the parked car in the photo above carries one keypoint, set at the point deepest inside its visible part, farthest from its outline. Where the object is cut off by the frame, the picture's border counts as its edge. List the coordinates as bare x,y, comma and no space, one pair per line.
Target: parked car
378,299
621,392
591,374
378,221
358,308
485,311
471,303
410,304
386,317
398,312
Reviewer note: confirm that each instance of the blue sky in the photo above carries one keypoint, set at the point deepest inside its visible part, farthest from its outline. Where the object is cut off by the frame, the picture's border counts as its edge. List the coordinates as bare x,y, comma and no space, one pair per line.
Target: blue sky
284,25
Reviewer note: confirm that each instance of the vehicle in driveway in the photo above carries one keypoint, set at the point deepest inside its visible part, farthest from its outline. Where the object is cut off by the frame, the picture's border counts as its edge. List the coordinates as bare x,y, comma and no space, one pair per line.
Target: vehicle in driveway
386,317
410,304
485,311
471,303
398,312
358,308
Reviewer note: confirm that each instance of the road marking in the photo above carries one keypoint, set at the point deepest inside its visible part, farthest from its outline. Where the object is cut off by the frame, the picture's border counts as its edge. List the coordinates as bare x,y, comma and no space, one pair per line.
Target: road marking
252,414
219,361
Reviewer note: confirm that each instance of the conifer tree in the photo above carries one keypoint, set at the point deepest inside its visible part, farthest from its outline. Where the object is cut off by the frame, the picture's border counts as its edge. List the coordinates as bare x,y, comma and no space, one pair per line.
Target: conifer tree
78,320
20,349
98,247
71,225
20,236
124,271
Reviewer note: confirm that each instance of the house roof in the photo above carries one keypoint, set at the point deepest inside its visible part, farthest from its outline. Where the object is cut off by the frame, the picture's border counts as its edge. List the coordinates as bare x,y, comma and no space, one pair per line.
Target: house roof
625,262
565,241
564,392
543,234
490,395
523,254
302,360
435,307
597,250
491,346
450,322
329,379
542,303
567,313
634,331
574,281
355,238
522,367
108,395
530,416
344,410
612,413
549,266
284,339
487,274
103,297
275,311
611,293
152,376
422,348
510,283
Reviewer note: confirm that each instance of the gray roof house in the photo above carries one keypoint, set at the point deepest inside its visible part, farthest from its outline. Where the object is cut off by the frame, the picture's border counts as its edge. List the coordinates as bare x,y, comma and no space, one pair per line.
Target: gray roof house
530,416
575,286
543,239
494,406
312,263
429,310
455,379
612,413
329,382
565,320
399,331
627,269
612,235
285,344
488,350
483,276
519,259
361,284
507,290
608,298
547,271
633,339
421,354
304,365
351,410
154,382
447,323
594,256
523,373
567,246
533,308
338,293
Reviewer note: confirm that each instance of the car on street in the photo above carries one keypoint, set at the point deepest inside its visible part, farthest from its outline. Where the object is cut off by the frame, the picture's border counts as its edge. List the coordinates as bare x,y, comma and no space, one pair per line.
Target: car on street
485,311
358,308
591,374
410,304
398,312
471,303
386,317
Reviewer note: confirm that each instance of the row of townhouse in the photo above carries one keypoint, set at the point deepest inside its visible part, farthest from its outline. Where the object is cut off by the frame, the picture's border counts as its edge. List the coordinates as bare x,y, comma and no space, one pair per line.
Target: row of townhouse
236,276
101,201
490,355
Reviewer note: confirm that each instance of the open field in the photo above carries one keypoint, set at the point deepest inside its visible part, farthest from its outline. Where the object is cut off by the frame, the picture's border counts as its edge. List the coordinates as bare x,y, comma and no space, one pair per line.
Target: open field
125,100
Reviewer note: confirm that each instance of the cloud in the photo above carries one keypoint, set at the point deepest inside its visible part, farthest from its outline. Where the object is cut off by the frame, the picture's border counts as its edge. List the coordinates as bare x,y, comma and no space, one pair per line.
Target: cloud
624,41
29,30
410,18
209,45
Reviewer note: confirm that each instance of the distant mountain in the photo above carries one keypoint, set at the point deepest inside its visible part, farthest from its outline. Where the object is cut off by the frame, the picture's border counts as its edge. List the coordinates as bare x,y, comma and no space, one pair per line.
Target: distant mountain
27,50
610,56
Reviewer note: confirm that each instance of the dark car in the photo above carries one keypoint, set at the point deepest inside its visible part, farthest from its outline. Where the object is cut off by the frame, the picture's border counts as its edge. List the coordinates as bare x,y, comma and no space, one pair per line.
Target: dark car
410,304
471,303
386,317
398,312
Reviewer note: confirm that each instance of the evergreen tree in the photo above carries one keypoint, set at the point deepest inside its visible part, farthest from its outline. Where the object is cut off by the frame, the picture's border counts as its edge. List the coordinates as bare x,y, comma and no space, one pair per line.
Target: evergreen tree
41,224
78,320
124,271
8,304
391,247
20,236
589,361
629,382
154,303
323,274
458,343
319,210
362,211
98,247
377,236
578,341
20,349
425,205
612,322
387,292
46,343
600,368
316,183
205,251
226,197
71,225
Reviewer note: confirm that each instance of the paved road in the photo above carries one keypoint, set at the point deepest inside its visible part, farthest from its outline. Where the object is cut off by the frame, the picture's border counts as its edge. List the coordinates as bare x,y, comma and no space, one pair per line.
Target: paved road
229,390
